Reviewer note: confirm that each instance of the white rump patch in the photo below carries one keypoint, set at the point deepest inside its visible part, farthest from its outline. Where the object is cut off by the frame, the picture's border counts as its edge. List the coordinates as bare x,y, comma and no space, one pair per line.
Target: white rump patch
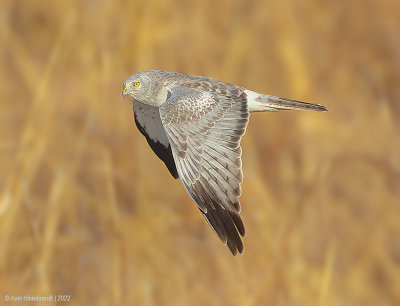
258,102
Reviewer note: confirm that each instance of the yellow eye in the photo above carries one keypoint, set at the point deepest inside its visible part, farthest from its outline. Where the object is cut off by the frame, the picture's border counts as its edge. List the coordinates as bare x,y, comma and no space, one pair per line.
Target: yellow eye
136,84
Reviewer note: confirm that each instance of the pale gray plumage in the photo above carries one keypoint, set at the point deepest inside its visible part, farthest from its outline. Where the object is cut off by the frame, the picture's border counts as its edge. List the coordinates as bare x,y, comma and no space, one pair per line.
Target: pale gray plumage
195,124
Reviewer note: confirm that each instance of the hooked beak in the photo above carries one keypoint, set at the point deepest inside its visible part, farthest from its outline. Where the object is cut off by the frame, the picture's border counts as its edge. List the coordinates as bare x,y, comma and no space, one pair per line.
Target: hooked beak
124,92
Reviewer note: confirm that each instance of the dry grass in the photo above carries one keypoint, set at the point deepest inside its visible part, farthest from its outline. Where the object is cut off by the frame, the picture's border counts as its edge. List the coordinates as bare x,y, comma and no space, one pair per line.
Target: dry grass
87,210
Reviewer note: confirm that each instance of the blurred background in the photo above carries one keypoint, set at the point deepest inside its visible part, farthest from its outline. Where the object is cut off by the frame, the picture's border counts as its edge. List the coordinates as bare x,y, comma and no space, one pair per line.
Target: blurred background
87,210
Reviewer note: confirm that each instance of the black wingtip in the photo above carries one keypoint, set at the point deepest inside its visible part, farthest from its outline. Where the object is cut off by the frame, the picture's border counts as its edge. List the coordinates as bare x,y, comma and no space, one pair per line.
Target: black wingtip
228,226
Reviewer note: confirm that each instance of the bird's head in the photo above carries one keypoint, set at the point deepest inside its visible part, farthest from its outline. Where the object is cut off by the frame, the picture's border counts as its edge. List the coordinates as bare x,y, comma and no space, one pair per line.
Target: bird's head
137,86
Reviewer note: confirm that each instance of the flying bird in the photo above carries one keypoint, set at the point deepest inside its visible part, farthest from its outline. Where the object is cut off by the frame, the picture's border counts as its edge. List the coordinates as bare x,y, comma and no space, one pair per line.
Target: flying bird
194,125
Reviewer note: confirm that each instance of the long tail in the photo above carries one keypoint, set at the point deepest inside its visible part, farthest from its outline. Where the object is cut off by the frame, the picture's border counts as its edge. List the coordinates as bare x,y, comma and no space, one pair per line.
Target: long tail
262,103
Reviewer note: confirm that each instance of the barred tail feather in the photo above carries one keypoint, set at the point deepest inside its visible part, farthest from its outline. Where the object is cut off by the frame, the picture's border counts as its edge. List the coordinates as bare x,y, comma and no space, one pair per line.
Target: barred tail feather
261,103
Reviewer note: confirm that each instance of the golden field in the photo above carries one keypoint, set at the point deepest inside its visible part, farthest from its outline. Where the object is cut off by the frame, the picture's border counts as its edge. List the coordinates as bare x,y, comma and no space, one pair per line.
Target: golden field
87,210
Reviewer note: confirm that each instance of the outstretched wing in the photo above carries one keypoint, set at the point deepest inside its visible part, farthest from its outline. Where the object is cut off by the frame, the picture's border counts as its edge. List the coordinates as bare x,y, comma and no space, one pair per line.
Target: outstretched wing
204,130
147,119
